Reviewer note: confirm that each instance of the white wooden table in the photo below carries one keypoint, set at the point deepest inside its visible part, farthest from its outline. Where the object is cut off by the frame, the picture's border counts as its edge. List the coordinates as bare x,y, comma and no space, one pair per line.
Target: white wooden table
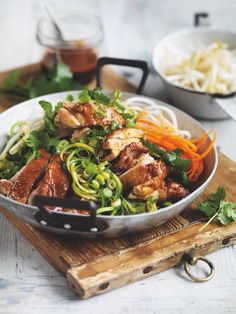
28,284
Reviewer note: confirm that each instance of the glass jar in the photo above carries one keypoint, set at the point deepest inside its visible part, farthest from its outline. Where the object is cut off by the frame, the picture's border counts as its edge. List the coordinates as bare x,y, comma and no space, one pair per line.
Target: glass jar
76,44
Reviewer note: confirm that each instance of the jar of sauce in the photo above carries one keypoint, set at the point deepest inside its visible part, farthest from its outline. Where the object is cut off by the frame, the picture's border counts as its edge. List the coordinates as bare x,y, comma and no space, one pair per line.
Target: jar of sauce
77,43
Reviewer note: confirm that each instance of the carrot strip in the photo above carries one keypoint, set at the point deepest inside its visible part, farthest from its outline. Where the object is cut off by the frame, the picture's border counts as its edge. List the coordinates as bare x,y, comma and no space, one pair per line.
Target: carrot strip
210,147
200,138
167,146
177,138
142,114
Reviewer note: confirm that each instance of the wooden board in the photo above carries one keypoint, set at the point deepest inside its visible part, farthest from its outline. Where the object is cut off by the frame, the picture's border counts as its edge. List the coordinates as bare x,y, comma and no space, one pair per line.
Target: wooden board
96,266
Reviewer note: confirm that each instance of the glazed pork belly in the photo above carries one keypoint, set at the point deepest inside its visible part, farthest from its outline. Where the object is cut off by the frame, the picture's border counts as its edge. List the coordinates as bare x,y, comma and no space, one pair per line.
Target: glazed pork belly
145,169
55,183
118,140
141,175
129,157
75,116
160,190
21,184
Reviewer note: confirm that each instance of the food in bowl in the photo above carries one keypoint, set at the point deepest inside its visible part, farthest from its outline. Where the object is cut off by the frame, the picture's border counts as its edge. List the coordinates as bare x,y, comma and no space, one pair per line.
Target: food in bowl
210,69
127,157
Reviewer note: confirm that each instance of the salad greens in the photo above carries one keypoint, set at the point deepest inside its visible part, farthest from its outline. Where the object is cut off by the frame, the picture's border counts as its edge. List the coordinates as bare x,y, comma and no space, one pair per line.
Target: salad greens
215,207
56,80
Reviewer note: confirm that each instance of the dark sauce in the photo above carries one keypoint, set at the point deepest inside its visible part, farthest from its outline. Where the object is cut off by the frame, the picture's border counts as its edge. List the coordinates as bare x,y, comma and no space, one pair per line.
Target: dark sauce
81,60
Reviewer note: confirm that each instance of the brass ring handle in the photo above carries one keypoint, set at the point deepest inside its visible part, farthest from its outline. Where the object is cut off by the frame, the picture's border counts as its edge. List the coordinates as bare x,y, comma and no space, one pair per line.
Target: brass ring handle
192,261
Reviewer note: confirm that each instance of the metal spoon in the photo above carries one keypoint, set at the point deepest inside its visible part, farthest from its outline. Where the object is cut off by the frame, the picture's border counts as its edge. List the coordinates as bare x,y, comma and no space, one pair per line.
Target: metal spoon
56,23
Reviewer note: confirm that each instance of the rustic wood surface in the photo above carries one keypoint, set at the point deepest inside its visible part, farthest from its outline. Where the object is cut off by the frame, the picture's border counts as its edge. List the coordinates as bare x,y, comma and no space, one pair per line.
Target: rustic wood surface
28,284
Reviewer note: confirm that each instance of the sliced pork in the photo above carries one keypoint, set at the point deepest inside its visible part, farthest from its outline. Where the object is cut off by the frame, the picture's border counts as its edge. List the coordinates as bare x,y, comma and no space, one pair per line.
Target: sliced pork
129,157
159,190
74,115
55,183
21,184
143,171
118,140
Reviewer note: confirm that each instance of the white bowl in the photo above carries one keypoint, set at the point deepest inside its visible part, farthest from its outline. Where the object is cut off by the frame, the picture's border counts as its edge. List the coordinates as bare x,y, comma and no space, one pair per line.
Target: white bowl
197,104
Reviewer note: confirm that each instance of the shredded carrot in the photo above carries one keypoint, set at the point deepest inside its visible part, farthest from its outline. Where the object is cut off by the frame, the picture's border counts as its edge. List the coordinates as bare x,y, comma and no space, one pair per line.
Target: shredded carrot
161,143
200,138
210,147
148,122
179,141
163,138
142,114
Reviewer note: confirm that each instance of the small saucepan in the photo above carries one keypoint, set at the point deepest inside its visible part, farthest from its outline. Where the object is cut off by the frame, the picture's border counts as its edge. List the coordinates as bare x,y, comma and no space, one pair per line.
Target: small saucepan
198,104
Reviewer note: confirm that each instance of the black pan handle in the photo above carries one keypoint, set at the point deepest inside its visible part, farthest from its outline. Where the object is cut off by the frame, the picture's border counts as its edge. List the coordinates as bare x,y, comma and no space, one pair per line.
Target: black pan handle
123,62
87,222
198,17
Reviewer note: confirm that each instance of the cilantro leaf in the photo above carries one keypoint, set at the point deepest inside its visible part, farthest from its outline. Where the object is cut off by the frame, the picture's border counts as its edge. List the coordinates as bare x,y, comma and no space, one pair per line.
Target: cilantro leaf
48,116
56,80
41,139
227,212
12,79
151,204
84,97
97,95
215,207
212,204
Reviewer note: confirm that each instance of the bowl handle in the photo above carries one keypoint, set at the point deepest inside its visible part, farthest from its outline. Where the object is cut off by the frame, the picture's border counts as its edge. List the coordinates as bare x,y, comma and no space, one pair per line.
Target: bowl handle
85,220
123,62
199,17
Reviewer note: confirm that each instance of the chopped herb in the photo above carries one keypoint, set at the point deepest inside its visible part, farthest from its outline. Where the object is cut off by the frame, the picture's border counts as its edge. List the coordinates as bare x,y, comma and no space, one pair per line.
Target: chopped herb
97,95
115,126
151,204
69,98
130,123
167,203
84,97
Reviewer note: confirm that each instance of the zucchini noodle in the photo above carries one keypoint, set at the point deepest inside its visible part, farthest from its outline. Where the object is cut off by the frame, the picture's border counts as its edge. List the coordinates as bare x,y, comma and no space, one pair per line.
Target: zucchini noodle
96,182
19,131
91,181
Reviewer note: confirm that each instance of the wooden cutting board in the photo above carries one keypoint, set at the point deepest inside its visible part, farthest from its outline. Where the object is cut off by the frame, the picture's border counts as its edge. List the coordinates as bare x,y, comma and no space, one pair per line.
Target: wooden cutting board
95,266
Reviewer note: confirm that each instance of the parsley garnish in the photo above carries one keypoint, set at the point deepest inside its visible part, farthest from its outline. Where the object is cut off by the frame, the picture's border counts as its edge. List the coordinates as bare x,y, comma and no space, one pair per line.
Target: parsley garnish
56,80
215,207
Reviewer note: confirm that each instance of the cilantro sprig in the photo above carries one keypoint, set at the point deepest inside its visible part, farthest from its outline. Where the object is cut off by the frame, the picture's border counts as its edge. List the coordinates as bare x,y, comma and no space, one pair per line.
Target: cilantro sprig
56,80
215,207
